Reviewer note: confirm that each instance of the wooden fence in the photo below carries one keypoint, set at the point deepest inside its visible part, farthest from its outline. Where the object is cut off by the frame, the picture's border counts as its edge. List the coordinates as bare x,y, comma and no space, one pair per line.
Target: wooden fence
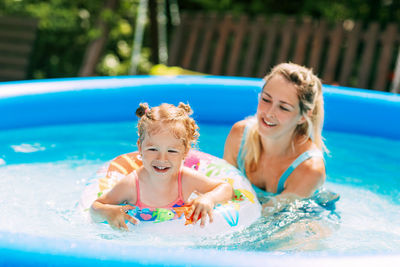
347,53
17,36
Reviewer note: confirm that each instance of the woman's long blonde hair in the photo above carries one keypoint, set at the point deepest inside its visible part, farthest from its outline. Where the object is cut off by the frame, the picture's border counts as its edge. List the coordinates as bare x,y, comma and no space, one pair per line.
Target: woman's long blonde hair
309,92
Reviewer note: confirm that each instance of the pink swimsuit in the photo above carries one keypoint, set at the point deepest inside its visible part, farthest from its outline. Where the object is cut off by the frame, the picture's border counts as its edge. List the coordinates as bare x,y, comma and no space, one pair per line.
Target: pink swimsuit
166,213
177,203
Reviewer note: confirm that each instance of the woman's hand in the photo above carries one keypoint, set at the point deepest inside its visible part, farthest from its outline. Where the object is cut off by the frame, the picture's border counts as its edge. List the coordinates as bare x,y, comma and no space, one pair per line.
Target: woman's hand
277,203
201,207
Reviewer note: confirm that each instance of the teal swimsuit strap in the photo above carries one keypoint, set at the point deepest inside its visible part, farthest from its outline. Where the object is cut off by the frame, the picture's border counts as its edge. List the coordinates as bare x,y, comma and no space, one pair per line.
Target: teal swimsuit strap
240,156
300,159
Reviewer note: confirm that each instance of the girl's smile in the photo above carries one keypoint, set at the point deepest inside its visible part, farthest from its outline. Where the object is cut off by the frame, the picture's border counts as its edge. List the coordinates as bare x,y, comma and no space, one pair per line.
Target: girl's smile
162,153
160,167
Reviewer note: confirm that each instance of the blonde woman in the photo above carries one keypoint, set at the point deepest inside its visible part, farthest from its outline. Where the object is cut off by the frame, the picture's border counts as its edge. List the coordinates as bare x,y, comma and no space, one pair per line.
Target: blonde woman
280,149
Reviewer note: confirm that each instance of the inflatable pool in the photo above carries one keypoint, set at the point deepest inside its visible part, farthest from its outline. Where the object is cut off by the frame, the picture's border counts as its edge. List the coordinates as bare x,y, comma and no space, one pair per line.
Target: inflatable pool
107,99
235,215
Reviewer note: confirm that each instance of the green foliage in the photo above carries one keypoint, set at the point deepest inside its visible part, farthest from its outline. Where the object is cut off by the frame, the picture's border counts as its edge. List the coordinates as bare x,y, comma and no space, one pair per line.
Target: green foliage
67,27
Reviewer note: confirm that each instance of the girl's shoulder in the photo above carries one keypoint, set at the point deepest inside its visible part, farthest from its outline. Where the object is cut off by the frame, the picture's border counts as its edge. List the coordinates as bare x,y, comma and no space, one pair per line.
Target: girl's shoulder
193,180
189,174
123,191
129,182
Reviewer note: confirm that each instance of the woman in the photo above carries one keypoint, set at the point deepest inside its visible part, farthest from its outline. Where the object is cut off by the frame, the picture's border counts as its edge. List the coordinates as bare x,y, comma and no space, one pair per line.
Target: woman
280,149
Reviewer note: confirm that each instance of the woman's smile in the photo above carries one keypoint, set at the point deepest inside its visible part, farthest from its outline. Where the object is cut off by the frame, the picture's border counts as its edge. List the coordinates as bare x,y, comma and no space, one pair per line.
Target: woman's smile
269,123
277,108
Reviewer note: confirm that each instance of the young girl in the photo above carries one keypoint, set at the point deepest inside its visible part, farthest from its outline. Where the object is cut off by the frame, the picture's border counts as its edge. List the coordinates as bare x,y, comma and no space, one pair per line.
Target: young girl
166,133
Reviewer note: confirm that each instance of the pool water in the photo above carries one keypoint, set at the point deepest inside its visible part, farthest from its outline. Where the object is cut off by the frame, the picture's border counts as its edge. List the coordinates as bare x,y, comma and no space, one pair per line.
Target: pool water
43,172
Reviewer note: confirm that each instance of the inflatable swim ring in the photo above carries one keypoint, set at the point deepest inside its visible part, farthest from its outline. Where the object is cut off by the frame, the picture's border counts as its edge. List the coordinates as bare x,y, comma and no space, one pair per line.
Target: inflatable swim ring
234,215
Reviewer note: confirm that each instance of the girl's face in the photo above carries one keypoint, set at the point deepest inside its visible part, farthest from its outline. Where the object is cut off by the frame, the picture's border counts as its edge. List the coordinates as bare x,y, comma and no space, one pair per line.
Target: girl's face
162,153
278,111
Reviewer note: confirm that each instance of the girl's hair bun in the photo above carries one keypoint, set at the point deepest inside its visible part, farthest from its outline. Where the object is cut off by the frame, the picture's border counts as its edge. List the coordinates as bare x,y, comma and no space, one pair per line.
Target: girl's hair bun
186,108
142,109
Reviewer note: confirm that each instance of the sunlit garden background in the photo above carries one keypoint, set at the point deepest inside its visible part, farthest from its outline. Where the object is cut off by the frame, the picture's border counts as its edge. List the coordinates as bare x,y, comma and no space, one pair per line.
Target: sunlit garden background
67,30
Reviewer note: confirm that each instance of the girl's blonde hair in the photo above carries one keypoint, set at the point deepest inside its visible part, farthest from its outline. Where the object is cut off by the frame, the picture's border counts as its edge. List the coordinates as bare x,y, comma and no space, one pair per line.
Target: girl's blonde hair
309,92
154,119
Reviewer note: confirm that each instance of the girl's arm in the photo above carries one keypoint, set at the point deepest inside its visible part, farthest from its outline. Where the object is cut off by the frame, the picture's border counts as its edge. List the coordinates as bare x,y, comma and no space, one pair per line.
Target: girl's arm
210,193
107,207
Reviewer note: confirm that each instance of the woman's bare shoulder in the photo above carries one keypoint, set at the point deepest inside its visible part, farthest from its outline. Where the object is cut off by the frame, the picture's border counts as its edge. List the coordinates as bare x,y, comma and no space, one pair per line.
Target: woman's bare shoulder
314,165
238,127
237,130
232,143
307,177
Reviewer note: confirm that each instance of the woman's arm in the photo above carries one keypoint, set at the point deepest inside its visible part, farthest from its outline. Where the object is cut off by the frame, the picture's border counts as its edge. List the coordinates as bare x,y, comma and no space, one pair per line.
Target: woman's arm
232,143
302,183
107,207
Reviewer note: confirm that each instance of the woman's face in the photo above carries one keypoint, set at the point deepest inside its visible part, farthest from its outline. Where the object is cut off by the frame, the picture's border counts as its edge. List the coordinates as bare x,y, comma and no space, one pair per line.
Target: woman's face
278,111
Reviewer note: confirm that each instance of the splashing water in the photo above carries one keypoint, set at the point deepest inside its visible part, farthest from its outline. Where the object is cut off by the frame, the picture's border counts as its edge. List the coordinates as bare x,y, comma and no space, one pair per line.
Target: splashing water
40,190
